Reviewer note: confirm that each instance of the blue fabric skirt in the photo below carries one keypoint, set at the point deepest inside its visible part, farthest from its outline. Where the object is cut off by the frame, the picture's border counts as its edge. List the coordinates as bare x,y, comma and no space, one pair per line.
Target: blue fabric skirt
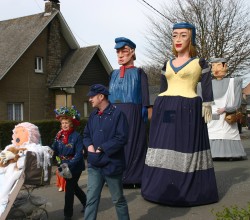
179,168
136,148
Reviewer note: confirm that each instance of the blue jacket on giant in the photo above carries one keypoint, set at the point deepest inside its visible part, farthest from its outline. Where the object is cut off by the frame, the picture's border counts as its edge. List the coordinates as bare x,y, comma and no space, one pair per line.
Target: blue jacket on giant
110,132
72,152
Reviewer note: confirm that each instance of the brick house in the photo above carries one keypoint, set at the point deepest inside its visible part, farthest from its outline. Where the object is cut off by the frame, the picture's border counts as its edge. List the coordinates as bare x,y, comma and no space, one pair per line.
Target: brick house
42,67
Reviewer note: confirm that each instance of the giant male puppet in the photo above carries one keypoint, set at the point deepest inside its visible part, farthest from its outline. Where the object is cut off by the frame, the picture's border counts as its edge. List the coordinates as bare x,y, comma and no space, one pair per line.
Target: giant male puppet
224,138
129,91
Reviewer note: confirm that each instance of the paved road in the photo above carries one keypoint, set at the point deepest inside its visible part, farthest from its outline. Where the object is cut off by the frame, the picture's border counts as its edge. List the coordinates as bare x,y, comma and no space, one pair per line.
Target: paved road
233,180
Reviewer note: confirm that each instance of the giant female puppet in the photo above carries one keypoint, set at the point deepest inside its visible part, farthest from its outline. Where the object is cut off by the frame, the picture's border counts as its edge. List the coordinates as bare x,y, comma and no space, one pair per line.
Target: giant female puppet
129,91
179,168
224,138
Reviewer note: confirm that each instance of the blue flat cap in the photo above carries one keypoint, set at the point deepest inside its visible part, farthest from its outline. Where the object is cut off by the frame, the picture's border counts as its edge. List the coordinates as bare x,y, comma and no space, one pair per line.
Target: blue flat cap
182,25
218,60
98,89
123,41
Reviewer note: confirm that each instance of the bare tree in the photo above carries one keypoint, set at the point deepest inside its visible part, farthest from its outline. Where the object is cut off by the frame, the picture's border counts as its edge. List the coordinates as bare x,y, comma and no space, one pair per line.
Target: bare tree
153,73
223,30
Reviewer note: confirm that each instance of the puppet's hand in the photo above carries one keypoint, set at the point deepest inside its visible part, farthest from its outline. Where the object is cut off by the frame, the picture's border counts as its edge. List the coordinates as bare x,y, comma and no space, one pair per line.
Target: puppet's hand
6,155
221,110
20,153
51,152
1,157
207,113
145,114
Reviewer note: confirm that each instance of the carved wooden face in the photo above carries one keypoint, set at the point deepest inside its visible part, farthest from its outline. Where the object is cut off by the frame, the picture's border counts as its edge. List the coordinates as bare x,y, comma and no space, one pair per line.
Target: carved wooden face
21,135
219,70
181,40
125,55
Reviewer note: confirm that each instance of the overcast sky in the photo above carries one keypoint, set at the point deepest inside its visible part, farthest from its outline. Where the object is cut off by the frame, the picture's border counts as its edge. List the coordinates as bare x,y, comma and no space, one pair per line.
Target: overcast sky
98,22
95,21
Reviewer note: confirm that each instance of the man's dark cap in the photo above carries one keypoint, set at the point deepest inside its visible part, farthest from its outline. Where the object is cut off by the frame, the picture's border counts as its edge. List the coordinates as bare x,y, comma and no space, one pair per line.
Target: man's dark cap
98,89
123,41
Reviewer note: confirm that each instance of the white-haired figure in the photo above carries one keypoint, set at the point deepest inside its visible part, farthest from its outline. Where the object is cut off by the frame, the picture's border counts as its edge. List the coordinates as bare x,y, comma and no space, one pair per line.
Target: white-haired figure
33,135
26,137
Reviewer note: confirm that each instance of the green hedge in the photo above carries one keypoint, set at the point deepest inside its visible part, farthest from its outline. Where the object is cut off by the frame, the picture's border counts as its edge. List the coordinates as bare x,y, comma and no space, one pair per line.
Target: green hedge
48,130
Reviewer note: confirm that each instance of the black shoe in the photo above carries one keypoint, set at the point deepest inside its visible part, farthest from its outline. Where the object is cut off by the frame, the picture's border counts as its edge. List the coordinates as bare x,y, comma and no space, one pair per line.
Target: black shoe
67,218
131,186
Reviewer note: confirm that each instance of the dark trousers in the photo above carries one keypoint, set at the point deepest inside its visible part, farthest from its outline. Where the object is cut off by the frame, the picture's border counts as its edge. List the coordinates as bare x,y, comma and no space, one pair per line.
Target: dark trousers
72,189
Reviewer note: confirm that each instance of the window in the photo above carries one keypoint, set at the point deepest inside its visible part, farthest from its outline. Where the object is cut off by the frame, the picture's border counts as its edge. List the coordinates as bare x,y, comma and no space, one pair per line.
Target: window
39,65
63,100
15,111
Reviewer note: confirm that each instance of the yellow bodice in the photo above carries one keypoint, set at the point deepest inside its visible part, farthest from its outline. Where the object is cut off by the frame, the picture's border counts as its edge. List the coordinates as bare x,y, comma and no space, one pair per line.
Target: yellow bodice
184,82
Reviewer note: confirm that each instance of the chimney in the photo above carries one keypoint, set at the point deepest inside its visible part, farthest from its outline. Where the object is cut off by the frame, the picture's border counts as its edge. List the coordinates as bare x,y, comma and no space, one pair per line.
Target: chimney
50,5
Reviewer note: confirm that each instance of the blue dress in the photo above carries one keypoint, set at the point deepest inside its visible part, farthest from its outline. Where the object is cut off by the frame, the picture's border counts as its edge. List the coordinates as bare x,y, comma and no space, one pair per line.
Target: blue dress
179,168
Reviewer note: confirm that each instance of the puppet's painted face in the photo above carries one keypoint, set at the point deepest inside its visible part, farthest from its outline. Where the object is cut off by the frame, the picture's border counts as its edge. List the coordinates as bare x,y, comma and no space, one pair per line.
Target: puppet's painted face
21,136
219,70
181,39
125,55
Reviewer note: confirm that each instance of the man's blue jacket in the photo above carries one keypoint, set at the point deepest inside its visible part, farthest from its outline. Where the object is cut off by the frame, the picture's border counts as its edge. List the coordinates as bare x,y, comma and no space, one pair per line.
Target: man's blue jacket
110,132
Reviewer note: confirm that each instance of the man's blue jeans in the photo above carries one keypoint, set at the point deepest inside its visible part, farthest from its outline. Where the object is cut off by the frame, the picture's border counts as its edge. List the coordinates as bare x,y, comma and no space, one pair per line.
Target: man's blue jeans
96,181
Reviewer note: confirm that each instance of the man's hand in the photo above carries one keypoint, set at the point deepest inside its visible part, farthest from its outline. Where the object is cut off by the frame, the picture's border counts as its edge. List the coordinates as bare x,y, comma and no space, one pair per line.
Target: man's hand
99,150
5,156
91,148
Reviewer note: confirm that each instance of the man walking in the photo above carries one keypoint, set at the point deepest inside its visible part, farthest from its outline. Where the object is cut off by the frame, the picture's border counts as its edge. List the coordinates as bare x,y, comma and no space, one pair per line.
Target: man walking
105,136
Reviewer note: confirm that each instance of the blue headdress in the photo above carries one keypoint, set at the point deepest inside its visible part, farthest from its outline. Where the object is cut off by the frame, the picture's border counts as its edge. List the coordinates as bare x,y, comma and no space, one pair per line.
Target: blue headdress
188,26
